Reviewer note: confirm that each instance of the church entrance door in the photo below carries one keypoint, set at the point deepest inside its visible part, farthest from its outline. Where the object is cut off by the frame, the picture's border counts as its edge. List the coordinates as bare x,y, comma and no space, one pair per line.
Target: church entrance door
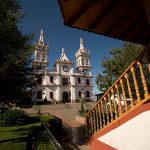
65,97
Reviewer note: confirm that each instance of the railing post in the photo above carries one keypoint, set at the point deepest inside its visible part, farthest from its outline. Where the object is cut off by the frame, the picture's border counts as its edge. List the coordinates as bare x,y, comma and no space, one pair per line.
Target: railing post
100,117
88,127
110,103
143,80
107,114
103,113
124,94
129,89
97,118
92,124
93,117
136,85
119,100
114,103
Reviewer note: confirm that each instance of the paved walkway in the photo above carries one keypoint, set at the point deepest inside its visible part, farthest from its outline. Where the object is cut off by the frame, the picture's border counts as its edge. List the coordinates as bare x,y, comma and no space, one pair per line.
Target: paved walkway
66,112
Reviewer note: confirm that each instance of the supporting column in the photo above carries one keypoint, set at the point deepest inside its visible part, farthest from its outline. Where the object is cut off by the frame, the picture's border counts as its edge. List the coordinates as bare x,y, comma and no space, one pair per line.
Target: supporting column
73,94
58,95
58,91
73,90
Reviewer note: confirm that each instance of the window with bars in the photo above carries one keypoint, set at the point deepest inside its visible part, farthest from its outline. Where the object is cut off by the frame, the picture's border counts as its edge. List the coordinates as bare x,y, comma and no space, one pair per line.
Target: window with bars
79,80
51,79
51,95
87,94
65,81
39,95
79,94
87,82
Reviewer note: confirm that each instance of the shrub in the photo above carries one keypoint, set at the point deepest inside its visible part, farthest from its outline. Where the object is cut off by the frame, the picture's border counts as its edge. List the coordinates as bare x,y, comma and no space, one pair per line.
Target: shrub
81,113
11,117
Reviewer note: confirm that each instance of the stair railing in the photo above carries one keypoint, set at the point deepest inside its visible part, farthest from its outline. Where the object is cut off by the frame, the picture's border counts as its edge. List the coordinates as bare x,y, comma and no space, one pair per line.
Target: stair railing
130,89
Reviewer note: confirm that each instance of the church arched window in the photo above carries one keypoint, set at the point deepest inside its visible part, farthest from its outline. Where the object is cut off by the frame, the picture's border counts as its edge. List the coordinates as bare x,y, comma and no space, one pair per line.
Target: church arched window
38,57
87,82
87,63
43,57
51,79
51,95
39,95
82,61
79,94
79,80
65,81
87,94
39,80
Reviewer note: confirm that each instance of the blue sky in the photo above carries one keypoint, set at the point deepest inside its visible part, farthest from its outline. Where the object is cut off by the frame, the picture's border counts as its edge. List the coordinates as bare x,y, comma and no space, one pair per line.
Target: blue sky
46,15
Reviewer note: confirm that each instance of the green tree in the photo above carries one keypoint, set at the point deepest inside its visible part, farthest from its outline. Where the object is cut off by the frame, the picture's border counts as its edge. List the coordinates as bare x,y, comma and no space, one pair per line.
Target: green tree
115,64
15,52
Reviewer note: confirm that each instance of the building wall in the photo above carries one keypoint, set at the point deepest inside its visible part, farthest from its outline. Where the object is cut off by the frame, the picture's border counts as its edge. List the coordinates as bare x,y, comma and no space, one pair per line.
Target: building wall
73,88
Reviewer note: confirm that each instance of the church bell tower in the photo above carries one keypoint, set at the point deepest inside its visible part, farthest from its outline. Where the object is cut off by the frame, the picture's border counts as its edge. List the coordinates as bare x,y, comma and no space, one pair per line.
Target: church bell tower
83,59
40,54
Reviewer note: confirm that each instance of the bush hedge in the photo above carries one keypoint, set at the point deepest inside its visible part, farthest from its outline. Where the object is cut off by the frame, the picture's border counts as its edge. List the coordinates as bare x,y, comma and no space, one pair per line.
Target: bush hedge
12,117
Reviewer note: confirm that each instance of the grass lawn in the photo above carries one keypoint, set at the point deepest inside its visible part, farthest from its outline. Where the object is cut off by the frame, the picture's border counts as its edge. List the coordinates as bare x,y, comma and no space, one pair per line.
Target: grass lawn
15,138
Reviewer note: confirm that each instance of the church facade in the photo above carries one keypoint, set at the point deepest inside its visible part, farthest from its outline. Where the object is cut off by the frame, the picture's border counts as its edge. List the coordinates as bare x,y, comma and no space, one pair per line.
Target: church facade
63,83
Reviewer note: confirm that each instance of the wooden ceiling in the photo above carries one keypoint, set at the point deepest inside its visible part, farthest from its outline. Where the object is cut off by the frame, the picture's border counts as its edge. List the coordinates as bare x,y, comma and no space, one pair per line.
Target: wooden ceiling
121,19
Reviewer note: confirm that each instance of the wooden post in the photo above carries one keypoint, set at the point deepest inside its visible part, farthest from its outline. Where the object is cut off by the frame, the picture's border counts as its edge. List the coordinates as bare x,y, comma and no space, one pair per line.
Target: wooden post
110,103
136,85
93,116
103,113
91,123
100,117
107,114
143,80
129,89
88,127
124,94
114,103
119,100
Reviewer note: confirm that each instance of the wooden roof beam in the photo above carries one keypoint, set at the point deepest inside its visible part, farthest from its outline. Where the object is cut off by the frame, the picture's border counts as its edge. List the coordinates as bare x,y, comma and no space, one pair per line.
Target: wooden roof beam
133,24
143,38
81,11
106,11
137,31
121,17
146,4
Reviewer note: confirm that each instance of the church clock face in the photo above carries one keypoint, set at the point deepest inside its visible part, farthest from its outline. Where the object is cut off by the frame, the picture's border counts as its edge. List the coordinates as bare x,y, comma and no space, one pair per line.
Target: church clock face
65,69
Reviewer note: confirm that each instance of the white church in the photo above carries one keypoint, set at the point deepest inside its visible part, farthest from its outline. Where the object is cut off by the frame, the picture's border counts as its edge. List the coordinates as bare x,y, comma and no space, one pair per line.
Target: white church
63,83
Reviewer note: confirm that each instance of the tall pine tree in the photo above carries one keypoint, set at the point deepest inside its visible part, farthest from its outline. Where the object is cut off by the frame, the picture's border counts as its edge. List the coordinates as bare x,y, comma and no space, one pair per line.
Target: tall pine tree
15,53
